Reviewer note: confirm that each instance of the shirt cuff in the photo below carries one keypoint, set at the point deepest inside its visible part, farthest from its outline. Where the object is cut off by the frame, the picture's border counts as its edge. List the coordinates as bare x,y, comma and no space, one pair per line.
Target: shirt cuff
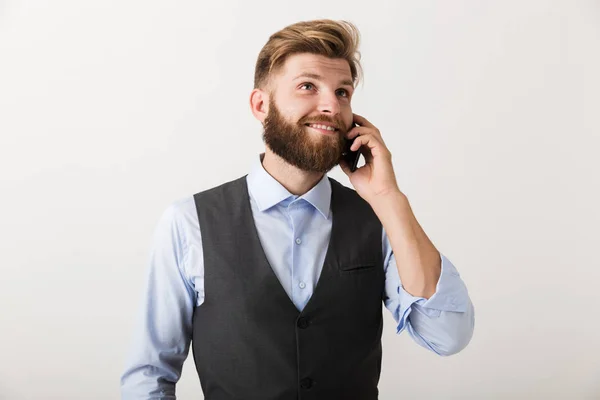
450,295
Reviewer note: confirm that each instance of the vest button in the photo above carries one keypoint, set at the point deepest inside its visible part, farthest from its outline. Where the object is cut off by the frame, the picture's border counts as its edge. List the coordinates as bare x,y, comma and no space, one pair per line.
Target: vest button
303,322
306,383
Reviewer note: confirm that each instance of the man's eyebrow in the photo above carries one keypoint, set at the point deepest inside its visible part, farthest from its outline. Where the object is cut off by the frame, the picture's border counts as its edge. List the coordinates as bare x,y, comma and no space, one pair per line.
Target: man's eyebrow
344,82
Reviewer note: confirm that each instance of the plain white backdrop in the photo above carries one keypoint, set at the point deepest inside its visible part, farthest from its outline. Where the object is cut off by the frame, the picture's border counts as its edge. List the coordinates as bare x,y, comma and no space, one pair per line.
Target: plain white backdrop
111,110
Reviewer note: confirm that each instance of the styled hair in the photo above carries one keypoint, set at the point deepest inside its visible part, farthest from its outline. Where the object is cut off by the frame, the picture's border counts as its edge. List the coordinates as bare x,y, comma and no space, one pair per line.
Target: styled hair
325,37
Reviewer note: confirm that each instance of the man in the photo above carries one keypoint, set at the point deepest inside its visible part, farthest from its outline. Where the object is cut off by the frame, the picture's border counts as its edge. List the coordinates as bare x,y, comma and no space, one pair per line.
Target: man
277,278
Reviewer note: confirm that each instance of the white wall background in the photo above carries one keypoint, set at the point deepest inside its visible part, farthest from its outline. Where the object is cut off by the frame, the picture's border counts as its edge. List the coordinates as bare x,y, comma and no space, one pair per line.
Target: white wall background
110,110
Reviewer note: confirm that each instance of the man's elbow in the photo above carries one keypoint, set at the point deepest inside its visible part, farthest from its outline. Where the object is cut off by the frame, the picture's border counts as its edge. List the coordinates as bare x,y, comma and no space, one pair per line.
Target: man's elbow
453,348
459,339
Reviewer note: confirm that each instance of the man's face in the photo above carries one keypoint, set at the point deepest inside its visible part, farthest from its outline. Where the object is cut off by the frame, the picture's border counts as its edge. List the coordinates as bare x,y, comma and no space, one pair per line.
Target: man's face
307,94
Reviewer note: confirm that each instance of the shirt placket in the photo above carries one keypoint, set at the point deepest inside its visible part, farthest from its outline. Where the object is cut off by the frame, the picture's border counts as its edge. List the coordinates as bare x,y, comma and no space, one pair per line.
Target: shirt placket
300,286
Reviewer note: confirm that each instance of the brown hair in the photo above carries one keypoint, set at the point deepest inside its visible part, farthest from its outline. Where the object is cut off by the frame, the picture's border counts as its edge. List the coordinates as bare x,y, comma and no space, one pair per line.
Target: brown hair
333,39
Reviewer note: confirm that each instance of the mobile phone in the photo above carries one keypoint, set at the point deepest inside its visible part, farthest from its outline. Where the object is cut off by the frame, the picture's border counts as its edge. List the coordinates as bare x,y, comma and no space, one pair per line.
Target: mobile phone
351,157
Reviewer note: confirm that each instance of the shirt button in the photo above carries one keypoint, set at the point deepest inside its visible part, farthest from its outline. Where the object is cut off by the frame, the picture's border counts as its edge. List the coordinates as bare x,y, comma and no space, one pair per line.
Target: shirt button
298,241
302,285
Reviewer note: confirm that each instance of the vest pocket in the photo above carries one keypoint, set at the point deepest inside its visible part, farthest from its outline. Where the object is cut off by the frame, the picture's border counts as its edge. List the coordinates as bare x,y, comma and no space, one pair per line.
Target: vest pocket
358,267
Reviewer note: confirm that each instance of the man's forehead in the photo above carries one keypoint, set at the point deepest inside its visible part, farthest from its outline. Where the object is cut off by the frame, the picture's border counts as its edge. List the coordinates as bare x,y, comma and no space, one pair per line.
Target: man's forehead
317,67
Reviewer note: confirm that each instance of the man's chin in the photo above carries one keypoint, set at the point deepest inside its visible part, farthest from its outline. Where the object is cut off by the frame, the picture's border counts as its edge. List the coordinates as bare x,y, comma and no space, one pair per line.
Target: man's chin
312,168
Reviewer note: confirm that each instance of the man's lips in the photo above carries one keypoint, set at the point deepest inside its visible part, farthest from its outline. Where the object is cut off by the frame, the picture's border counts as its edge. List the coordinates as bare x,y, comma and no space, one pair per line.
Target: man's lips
328,124
324,131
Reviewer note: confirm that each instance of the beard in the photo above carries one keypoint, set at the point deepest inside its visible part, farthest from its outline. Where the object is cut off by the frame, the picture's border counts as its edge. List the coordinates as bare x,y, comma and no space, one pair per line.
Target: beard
292,142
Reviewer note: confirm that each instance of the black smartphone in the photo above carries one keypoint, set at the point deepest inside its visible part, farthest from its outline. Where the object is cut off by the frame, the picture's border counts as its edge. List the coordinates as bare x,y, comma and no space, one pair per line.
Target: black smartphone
351,157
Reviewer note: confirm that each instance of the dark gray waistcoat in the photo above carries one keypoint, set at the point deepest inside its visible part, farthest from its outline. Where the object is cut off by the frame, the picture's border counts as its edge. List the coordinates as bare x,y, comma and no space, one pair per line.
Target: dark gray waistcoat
250,342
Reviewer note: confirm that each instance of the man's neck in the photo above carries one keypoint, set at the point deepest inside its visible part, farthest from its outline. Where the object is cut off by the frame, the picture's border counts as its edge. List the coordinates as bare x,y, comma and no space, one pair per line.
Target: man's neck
295,180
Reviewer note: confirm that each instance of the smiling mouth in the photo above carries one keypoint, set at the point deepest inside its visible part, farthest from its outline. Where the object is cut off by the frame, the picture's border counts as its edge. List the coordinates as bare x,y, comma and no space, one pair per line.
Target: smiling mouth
320,127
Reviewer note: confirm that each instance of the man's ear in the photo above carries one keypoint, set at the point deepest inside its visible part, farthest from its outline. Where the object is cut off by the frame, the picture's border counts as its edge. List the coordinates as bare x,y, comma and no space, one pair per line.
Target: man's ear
259,104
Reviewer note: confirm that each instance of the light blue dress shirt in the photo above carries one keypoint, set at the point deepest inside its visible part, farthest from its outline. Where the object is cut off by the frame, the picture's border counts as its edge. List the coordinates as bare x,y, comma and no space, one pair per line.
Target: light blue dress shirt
294,232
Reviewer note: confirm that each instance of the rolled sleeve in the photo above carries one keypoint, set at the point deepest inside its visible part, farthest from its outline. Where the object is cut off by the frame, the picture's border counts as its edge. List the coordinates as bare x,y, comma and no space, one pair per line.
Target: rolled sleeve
450,293
443,323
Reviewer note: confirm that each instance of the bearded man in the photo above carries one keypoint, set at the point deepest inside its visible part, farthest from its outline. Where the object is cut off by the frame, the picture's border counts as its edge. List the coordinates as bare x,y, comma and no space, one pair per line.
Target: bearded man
278,278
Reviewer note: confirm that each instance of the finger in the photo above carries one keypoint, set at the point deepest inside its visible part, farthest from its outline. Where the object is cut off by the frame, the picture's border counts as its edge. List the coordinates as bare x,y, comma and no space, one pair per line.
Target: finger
376,147
366,139
354,132
362,121
367,154
365,151
359,130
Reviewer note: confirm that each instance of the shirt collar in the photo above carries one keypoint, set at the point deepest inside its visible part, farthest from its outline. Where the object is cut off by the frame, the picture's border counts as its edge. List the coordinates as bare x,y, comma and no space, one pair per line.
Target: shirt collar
267,191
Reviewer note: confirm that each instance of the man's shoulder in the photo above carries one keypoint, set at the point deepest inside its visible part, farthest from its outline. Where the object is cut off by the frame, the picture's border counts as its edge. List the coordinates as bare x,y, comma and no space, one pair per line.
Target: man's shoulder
184,209
181,211
223,187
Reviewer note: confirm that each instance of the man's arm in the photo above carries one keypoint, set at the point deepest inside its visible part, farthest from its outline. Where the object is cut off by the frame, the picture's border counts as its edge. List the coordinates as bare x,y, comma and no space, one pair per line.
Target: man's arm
164,325
418,261
443,323
426,282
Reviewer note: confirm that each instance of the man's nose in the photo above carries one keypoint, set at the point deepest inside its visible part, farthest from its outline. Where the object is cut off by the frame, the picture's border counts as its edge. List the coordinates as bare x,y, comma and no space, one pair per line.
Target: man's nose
329,104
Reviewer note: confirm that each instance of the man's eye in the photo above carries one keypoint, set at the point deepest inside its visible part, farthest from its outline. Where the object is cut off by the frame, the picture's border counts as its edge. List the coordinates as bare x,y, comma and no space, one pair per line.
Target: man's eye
310,85
343,92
